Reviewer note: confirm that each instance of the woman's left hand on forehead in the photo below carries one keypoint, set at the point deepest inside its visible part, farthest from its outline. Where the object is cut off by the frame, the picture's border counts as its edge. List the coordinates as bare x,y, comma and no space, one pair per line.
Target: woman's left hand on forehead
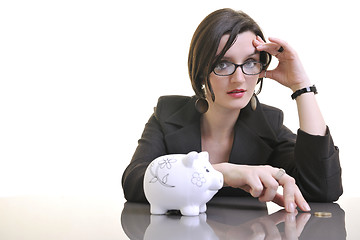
289,72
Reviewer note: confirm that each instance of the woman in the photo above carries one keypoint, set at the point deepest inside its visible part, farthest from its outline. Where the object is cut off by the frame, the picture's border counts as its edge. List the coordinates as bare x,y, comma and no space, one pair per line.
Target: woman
247,141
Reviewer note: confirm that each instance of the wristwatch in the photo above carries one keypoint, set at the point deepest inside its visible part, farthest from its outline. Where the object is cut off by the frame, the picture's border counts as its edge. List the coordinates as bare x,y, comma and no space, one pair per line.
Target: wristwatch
304,90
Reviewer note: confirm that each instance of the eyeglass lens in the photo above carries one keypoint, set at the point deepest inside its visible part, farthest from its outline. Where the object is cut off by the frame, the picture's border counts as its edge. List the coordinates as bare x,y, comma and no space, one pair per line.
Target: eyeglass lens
229,68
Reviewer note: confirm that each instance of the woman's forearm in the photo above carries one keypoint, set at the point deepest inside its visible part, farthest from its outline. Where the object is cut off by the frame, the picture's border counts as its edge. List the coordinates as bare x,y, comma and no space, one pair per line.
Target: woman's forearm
310,117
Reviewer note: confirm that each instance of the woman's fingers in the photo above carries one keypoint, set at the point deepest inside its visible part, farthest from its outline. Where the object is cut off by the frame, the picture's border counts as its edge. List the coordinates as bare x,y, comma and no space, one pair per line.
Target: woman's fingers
279,42
275,47
288,184
271,47
279,200
263,181
270,188
292,195
260,183
301,202
254,186
289,71
289,197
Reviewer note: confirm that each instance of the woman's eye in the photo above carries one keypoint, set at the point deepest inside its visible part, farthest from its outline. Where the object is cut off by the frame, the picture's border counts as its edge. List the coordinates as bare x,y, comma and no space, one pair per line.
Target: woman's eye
222,65
250,64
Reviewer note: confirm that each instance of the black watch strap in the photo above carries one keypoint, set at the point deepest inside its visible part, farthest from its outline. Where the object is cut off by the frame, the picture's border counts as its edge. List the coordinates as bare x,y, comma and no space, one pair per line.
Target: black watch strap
304,90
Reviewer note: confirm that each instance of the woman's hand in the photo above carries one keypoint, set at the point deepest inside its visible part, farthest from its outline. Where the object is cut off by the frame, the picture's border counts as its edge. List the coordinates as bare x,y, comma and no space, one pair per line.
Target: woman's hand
289,72
263,182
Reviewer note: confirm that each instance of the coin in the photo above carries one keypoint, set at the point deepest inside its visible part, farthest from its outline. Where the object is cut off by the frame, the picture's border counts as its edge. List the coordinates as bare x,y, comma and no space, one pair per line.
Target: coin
323,214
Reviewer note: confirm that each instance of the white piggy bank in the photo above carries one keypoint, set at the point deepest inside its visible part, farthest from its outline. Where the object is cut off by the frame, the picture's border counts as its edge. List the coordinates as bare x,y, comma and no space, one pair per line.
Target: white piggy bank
184,182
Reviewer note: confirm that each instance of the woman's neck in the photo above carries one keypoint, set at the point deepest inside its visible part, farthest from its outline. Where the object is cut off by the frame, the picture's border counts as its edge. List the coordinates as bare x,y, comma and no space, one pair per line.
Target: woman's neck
219,123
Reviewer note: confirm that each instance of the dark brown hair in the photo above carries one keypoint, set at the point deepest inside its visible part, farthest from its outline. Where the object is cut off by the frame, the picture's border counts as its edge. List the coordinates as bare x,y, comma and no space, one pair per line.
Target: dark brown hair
204,44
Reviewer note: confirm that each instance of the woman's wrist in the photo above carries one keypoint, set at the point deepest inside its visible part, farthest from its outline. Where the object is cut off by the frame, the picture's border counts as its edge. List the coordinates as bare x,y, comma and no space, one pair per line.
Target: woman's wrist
300,85
221,167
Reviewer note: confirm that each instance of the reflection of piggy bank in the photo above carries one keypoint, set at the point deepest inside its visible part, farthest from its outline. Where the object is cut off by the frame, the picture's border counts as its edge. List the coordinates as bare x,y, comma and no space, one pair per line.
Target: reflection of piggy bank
181,182
163,227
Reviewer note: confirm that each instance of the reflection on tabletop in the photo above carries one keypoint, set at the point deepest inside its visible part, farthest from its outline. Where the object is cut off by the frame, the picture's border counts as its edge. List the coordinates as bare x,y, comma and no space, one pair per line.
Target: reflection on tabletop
234,218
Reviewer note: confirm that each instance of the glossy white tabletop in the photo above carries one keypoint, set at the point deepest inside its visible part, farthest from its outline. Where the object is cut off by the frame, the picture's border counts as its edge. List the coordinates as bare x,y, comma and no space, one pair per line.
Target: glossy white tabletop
109,217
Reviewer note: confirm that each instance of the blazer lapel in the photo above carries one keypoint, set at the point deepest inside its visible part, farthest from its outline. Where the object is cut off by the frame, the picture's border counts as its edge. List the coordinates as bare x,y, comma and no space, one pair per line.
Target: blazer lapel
184,133
253,138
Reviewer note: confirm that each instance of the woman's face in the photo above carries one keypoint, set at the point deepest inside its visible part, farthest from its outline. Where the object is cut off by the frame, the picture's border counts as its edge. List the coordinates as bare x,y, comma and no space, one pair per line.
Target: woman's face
233,92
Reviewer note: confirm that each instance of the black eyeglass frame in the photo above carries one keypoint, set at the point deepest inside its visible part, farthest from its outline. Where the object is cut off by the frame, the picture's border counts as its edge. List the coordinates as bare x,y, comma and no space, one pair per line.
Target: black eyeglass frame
263,56
263,67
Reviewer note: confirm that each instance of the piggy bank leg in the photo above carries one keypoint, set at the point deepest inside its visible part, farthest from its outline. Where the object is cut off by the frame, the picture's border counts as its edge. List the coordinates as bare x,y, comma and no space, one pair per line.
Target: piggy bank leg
203,208
157,210
190,211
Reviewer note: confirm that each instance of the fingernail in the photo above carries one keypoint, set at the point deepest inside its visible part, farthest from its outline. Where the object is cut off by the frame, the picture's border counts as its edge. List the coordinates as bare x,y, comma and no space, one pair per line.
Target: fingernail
259,38
291,207
306,207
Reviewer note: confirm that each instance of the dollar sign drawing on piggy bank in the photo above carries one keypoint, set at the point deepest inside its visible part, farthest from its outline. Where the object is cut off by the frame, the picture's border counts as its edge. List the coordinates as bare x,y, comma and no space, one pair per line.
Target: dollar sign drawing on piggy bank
184,182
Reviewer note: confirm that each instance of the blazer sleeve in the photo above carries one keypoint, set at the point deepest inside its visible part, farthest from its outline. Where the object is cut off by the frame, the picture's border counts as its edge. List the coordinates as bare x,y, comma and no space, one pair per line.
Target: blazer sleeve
312,160
319,174
150,146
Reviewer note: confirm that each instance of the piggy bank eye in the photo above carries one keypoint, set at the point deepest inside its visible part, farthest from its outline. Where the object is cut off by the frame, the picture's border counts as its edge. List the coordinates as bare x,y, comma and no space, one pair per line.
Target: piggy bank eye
207,170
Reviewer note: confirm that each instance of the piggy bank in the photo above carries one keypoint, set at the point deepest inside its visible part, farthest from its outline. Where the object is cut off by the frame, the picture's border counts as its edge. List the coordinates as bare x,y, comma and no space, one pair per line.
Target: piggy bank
184,182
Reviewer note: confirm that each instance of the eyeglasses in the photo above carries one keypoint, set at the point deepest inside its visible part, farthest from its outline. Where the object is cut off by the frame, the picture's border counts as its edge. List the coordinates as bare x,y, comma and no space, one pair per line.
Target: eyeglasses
226,68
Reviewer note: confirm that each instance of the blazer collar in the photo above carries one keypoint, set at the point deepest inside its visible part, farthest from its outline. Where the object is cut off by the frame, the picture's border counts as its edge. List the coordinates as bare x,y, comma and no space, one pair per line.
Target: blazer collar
256,121
186,115
250,124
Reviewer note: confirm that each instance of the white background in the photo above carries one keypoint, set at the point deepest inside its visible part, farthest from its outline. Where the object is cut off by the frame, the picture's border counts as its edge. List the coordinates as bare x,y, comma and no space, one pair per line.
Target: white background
79,79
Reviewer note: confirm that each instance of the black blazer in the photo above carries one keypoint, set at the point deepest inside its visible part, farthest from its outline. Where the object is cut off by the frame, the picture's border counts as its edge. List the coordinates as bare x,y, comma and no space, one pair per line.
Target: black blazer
260,139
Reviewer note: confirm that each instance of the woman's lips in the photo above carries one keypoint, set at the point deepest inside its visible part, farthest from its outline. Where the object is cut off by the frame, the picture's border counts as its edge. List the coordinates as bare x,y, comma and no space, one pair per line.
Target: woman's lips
237,93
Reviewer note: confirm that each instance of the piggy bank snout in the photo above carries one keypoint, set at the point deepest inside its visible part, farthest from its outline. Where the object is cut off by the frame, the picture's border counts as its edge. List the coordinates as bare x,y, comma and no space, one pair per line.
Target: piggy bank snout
217,181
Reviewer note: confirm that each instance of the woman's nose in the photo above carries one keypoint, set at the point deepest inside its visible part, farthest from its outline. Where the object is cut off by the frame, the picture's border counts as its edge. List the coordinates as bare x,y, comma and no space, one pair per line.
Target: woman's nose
238,75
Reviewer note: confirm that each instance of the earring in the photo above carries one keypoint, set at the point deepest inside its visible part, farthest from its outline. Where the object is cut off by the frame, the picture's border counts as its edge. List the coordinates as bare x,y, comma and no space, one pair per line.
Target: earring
253,102
202,105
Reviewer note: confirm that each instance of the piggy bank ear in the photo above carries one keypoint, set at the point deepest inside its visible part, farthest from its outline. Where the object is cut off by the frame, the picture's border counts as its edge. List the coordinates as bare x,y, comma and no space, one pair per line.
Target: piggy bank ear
190,158
204,155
